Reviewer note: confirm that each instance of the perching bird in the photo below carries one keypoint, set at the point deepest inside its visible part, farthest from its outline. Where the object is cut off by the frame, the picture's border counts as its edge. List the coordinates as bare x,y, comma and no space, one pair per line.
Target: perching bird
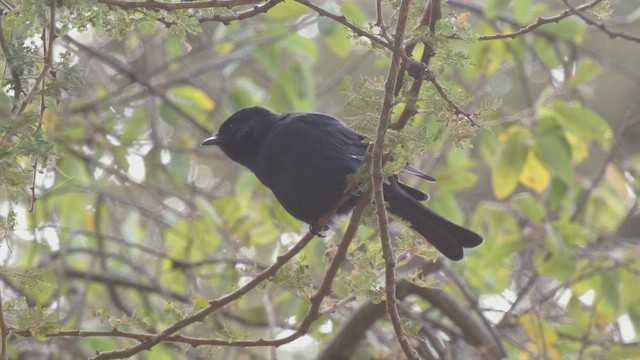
305,158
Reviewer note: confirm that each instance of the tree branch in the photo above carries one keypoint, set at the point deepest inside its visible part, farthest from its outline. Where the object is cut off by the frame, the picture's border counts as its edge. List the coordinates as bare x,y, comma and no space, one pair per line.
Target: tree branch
170,6
4,332
541,21
377,178
601,26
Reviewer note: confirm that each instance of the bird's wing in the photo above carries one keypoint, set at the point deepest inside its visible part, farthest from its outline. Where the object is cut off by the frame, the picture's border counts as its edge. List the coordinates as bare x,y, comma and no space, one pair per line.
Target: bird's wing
328,132
336,135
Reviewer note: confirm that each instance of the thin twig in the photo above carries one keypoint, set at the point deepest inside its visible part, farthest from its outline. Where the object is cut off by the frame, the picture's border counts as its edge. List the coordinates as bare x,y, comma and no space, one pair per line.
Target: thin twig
49,36
215,305
457,109
620,135
127,70
541,21
4,332
601,26
343,20
377,178
171,6
226,19
17,83
431,15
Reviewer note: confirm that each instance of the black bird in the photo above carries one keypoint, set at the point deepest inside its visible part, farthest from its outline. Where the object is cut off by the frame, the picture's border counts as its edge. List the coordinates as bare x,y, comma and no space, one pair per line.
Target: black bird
305,158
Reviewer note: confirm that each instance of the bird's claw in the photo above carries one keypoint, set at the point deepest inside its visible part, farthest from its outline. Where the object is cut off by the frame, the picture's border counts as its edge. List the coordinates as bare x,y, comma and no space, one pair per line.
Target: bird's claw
317,230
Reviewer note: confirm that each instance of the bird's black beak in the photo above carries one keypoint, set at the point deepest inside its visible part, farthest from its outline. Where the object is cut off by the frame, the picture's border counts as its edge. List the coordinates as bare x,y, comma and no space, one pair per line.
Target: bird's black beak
214,140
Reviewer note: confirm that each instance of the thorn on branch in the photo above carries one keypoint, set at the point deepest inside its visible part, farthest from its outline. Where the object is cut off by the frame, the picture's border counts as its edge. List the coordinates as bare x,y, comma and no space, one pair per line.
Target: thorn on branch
419,70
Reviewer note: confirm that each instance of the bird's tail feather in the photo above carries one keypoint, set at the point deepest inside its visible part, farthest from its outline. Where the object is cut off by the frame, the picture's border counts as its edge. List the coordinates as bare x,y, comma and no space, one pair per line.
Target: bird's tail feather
444,235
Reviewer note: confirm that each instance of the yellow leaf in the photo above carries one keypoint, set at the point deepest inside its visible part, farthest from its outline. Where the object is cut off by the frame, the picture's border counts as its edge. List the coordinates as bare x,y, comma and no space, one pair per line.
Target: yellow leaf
579,148
542,335
509,161
200,302
193,96
618,182
534,174
49,120
89,221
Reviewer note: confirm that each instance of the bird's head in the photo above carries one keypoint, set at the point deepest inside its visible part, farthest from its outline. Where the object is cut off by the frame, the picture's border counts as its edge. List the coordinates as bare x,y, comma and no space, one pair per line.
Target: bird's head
241,136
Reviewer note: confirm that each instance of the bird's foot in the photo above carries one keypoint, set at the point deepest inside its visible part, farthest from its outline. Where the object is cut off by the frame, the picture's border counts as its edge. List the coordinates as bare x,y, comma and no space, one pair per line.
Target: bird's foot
318,230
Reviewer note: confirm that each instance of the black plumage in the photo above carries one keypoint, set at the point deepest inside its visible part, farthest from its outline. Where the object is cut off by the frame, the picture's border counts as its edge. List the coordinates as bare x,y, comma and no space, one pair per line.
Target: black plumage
305,159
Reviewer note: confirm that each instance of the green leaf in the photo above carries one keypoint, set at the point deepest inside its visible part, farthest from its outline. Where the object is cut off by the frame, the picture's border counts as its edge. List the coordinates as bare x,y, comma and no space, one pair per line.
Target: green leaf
553,149
587,70
530,207
573,234
76,171
583,123
558,194
610,292
326,26
135,126
541,333
493,8
510,161
292,89
192,96
169,115
191,100
353,12
458,174
560,265
339,42
301,45
629,289
447,205
120,156
245,92
522,11
547,52
495,255
287,10
621,352
570,28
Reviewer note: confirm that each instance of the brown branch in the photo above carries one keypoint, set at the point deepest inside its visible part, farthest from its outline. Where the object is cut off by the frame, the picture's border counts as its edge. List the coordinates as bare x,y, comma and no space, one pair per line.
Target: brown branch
132,74
380,22
32,93
377,178
431,15
17,84
303,328
620,135
419,70
170,6
343,20
523,294
4,332
113,280
268,273
213,306
48,64
476,333
32,187
240,15
541,21
601,26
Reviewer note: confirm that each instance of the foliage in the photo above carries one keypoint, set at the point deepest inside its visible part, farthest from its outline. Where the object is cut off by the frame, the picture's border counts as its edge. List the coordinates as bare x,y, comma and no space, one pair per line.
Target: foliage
115,225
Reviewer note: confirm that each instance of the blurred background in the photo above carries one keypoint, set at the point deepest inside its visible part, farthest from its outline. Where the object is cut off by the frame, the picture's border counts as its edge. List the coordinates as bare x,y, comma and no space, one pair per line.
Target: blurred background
113,216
